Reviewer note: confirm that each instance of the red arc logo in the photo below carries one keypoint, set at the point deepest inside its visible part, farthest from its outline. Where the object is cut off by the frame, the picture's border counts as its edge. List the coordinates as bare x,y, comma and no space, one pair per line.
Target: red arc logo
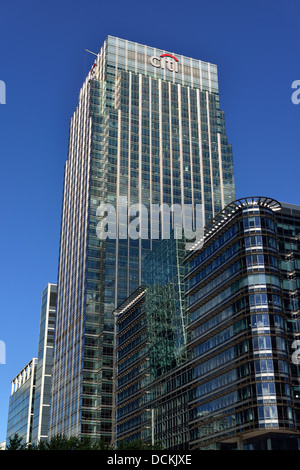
169,55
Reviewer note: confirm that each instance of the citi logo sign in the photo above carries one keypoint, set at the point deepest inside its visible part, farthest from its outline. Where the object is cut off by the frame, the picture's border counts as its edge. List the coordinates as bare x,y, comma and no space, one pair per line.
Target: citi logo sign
165,61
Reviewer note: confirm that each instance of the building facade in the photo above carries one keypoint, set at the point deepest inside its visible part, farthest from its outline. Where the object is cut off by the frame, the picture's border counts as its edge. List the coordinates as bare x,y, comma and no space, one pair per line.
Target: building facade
241,394
150,340
238,386
41,406
288,234
148,129
132,369
29,403
20,412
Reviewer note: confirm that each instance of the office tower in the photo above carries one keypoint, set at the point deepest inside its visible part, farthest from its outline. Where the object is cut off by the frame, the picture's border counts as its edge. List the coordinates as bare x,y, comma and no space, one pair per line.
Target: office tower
20,412
148,129
29,403
41,405
238,387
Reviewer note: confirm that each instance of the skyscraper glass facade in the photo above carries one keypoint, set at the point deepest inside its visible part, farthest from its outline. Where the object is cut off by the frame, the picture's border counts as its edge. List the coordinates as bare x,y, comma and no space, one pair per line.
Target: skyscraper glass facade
41,405
20,412
148,129
132,374
150,339
29,403
164,306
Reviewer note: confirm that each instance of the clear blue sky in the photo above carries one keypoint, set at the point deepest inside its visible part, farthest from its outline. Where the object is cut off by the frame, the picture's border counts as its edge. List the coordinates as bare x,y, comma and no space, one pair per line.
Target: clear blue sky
42,61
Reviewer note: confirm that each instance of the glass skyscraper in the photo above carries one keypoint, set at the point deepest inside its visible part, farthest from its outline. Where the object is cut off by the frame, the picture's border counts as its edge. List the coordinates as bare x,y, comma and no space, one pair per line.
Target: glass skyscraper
29,403
41,408
20,412
148,129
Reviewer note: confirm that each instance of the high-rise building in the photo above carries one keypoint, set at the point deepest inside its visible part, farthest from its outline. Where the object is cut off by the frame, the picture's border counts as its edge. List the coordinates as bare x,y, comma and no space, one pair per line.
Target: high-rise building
20,412
41,406
29,403
148,129
237,386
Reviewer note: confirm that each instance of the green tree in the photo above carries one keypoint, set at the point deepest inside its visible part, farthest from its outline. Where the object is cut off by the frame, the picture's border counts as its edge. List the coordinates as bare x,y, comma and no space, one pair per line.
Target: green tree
15,443
137,444
61,442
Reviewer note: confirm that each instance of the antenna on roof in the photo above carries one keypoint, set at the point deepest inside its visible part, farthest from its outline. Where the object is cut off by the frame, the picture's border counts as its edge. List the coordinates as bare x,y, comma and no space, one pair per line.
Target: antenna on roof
86,50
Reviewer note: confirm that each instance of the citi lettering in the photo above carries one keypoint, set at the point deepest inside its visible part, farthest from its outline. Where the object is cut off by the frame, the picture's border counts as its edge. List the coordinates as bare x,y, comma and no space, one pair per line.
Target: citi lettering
165,61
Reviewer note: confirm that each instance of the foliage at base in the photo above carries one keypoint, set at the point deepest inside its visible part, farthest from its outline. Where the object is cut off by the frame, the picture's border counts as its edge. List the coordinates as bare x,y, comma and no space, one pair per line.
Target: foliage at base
61,442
